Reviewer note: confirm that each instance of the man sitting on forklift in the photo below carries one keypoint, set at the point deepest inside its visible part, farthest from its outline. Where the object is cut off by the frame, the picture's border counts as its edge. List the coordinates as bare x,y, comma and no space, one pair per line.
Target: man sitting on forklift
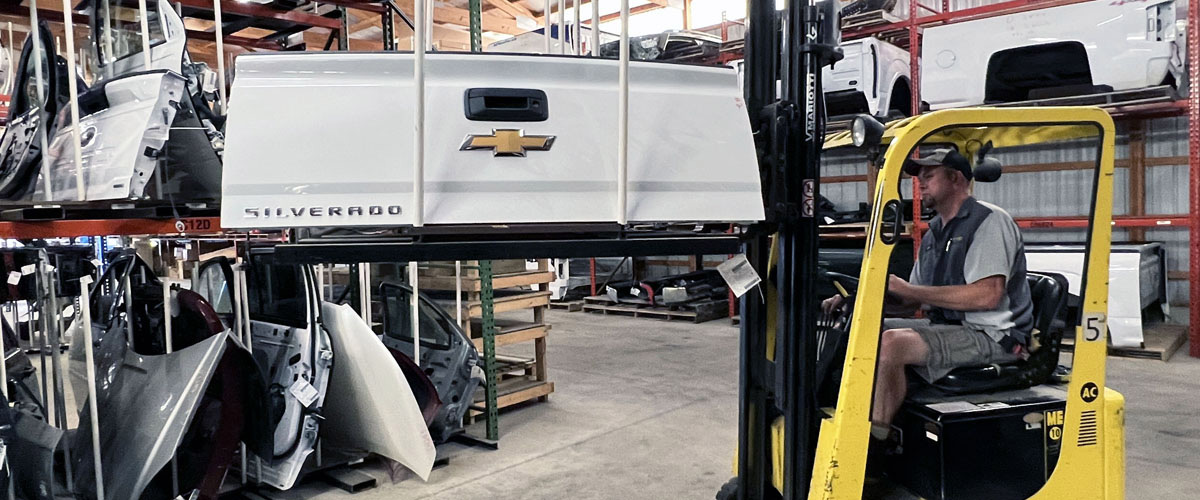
970,280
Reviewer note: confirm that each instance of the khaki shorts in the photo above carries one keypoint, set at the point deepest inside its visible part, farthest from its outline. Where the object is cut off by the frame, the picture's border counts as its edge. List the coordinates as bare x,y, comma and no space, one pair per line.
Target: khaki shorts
951,346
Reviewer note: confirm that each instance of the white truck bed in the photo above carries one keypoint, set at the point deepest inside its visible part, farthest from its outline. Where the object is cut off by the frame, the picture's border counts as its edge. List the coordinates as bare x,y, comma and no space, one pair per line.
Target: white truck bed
326,140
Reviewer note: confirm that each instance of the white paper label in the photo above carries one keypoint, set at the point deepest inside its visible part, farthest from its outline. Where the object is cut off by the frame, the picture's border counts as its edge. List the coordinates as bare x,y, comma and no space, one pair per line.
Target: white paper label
304,392
69,311
96,262
931,436
636,292
739,274
28,269
14,278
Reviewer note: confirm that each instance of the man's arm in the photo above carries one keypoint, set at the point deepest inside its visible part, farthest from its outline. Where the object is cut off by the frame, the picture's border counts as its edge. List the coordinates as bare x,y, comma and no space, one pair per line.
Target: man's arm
982,295
897,306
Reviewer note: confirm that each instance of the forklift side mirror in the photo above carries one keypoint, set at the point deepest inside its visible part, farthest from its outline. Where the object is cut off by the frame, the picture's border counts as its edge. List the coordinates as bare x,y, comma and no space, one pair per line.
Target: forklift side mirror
988,170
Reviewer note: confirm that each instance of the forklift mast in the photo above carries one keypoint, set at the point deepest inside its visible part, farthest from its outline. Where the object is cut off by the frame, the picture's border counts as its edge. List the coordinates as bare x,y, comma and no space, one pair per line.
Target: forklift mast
786,48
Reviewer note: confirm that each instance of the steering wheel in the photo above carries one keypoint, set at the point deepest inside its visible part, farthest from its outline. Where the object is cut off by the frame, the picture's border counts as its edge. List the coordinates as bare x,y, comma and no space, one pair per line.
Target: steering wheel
833,329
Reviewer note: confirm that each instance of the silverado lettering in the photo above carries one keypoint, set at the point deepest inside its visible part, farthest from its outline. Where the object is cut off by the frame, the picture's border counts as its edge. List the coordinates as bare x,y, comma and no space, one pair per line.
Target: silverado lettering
331,211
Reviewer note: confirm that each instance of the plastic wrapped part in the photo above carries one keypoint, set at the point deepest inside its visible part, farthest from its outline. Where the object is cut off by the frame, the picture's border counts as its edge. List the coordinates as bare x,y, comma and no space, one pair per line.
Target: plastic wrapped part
666,46
370,406
448,356
34,442
27,117
121,142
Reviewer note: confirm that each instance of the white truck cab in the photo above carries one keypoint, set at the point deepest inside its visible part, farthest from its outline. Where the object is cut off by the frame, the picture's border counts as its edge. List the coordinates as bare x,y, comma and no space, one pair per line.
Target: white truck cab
1083,48
874,77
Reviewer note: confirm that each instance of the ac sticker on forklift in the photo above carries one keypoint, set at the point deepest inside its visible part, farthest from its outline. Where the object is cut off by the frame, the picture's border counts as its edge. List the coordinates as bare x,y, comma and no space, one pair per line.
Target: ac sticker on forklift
1090,392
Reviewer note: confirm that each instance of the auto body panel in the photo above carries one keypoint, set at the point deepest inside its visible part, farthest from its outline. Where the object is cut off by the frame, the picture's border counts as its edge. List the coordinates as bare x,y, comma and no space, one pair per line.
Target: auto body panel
701,168
870,70
447,355
146,405
369,405
34,443
168,39
120,142
292,351
202,436
21,144
1120,51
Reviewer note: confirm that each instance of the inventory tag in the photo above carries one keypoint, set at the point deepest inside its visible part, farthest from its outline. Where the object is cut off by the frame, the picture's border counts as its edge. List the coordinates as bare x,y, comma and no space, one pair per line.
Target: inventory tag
14,278
304,392
28,269
739,274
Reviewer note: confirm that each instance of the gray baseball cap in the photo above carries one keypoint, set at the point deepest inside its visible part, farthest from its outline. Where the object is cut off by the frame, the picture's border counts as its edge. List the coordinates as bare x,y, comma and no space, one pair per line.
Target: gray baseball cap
942,157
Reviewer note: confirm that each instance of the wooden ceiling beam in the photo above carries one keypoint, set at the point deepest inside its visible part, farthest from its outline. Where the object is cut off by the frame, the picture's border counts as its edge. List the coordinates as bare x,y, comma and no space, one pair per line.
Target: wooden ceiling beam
635,10
515,10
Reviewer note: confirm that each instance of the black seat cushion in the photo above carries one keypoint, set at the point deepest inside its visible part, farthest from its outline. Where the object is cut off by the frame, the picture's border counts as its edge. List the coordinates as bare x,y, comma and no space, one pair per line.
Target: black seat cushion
1049,293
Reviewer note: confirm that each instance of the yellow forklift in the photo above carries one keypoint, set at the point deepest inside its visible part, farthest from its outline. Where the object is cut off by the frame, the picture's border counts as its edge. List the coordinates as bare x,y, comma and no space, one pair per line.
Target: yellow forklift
806,383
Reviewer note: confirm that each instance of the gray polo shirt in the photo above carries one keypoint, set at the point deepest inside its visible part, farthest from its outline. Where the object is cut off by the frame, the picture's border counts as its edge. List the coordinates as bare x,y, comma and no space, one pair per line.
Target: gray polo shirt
982,240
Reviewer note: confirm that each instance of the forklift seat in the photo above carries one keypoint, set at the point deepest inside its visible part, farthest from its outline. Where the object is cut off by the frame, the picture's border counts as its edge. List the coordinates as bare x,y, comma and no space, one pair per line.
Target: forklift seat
1049,294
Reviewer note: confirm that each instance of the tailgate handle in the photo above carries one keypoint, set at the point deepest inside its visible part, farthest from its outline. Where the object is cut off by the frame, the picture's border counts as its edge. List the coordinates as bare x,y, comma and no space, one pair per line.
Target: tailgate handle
506,105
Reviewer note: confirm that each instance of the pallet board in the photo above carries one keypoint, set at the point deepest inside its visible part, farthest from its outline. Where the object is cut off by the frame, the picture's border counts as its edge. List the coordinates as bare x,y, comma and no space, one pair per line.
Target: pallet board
506,303
499,281
694,312
510,337
515,391
569,306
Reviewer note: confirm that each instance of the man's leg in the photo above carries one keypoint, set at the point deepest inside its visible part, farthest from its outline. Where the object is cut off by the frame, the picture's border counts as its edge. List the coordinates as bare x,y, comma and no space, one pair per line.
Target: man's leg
897,349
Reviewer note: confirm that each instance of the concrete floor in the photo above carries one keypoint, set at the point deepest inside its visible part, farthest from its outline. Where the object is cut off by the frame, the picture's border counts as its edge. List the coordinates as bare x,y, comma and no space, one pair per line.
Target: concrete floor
647,409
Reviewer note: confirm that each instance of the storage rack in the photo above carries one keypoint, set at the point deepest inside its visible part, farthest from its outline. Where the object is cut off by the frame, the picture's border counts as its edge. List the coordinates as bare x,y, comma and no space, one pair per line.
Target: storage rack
907,33
510,380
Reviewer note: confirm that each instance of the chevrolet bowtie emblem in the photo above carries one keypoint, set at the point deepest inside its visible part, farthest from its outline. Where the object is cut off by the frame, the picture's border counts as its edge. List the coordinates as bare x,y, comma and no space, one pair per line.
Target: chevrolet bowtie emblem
508,142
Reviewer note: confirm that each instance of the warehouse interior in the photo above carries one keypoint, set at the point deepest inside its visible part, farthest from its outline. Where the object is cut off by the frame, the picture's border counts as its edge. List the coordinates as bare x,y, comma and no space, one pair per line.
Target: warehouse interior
895,249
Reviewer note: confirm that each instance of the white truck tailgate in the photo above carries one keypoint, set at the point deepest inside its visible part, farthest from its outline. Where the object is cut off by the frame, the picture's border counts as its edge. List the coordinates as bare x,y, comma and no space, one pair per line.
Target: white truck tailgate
326,139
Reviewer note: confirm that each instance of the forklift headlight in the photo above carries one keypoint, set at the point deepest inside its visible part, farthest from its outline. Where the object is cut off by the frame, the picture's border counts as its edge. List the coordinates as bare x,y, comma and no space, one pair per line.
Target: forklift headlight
866,131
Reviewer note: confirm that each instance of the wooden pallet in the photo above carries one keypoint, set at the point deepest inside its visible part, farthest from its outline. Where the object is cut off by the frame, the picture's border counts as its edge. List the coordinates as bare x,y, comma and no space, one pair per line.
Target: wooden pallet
513,391
694,312
510,332
499,281
569,306
1159,341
